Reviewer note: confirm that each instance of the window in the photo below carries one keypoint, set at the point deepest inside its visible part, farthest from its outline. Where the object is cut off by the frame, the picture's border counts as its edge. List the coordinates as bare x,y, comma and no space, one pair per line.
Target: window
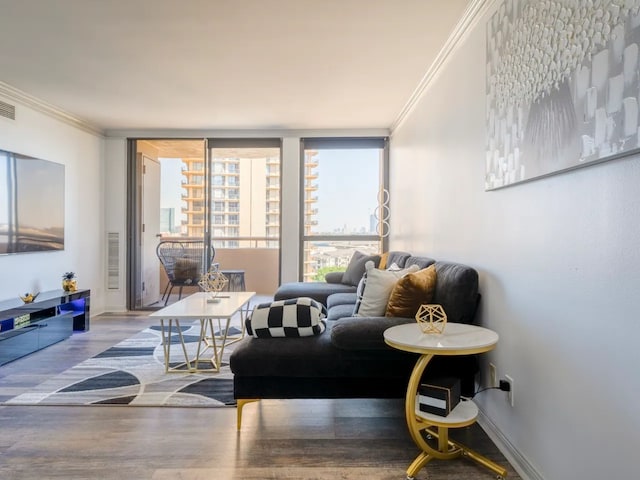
234,194
217,181
331,232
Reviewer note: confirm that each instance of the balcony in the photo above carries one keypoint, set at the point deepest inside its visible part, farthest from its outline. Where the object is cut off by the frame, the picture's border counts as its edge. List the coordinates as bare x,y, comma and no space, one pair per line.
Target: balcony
253,255
311,162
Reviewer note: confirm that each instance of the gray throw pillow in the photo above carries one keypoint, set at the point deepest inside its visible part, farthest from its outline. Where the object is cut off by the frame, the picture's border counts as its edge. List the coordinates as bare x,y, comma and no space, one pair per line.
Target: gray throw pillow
356,267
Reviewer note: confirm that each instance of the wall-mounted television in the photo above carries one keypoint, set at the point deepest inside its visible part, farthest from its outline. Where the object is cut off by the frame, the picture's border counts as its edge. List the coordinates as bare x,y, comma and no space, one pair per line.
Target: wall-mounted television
31,204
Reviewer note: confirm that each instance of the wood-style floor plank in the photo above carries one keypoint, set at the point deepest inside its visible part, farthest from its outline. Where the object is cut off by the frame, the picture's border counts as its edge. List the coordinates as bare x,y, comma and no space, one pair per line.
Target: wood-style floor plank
280,439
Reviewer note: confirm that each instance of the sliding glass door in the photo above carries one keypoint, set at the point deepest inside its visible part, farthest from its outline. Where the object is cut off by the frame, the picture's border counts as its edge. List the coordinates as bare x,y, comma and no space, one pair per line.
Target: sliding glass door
344,202
244,213
201,193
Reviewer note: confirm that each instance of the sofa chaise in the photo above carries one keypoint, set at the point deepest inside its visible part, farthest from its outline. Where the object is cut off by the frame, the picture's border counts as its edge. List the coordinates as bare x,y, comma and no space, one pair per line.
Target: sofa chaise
350,359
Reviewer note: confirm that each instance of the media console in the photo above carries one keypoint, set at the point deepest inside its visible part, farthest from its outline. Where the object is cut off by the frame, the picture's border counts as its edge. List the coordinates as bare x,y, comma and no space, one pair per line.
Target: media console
50,318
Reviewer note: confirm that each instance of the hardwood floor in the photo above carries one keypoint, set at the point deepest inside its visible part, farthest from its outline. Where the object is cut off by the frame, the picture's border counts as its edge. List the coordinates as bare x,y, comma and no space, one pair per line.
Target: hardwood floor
280,439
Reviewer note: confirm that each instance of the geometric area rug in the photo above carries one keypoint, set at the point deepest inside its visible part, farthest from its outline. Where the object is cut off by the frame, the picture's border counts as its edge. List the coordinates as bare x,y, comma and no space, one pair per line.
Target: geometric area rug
132,373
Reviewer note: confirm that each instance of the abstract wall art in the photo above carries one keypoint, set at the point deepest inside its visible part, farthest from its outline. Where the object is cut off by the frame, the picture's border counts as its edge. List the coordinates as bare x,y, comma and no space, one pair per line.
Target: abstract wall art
562,86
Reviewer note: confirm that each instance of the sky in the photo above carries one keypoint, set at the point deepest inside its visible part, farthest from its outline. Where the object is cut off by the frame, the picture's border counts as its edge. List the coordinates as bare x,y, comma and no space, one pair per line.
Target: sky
171,185
348,182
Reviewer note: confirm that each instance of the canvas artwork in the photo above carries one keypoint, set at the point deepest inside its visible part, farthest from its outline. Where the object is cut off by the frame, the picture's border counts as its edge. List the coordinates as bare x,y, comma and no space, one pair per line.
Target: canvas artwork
562,86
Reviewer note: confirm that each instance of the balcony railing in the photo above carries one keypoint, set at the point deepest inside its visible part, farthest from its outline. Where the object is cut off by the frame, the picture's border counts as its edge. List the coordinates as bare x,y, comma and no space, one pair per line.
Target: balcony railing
257,256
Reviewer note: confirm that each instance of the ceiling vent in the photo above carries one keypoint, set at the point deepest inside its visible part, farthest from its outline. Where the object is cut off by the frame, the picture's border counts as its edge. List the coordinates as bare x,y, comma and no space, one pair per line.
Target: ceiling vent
8,111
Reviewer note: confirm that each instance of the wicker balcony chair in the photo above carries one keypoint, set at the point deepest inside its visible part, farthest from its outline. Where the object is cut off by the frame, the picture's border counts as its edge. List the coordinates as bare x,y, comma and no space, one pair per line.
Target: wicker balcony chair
184,262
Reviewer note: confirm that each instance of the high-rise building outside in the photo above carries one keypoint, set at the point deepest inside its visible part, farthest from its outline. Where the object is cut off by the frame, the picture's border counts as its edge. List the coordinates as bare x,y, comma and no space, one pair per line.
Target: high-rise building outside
244,197
309,266
167,220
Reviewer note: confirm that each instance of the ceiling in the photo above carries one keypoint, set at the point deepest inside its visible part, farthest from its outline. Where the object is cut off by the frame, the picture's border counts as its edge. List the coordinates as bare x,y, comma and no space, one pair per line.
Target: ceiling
224,64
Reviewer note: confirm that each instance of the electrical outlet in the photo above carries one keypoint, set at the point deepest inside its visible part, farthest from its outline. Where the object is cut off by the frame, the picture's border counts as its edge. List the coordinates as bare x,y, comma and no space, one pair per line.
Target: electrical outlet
493,375
510,393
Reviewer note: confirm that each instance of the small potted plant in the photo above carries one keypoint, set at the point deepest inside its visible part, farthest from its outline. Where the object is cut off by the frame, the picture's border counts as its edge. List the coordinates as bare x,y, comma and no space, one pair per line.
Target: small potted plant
69,283
29,297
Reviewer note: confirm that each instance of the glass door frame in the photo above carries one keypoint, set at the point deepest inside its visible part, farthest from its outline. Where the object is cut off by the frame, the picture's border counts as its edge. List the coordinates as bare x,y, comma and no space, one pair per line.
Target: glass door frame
134,219
241,143
134,204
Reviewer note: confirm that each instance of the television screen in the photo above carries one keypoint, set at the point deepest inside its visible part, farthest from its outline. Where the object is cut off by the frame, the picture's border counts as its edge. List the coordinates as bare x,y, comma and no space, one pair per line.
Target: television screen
31,204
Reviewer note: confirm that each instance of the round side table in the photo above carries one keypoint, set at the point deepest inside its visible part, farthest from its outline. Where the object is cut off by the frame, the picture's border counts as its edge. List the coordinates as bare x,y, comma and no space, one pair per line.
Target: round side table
457,339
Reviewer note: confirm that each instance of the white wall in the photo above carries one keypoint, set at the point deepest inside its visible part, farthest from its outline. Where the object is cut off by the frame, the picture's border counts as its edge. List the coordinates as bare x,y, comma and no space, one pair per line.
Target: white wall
559,264
42,136
116,214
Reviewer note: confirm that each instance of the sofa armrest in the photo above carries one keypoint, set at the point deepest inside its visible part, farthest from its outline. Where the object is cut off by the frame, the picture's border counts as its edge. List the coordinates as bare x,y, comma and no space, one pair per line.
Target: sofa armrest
334,277
364,333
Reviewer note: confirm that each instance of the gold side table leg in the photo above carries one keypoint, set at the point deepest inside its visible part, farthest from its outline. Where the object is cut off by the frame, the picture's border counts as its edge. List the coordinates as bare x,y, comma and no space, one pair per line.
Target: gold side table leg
447,449
416,425
482,460
417,465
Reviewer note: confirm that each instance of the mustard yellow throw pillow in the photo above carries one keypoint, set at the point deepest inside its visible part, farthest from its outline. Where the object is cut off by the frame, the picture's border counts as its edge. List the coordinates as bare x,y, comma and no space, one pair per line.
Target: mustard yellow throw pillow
411,291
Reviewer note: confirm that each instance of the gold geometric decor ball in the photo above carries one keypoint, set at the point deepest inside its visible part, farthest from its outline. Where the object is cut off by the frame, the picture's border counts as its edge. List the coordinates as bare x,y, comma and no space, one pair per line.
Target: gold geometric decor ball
431,318
214,282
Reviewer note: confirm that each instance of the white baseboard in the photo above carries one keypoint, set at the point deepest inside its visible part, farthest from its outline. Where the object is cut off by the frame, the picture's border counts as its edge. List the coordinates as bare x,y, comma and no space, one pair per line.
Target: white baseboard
513,456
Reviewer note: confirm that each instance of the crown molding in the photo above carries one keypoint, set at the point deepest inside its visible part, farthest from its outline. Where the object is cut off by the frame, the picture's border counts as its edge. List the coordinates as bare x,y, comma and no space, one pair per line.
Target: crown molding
470,18
52,111
246,133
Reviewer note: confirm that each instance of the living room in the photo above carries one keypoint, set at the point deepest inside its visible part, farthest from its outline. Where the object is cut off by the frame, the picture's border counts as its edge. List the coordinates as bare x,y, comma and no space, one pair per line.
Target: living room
557,256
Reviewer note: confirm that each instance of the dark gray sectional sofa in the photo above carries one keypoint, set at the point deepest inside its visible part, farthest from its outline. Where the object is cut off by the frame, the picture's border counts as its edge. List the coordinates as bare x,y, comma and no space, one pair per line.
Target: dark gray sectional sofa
350,358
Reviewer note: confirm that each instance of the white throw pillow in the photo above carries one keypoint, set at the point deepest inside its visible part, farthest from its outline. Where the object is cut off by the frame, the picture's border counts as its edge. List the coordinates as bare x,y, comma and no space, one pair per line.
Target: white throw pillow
378,288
